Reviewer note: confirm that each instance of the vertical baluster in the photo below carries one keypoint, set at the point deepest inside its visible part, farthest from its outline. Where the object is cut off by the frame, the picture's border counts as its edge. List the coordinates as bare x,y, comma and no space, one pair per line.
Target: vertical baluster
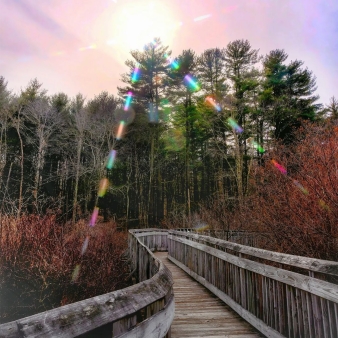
289,309
325,315
299,312
309,307
306,332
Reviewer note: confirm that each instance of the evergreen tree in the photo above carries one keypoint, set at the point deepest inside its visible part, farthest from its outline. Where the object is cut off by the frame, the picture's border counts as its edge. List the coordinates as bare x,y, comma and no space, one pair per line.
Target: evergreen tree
240,60
287,94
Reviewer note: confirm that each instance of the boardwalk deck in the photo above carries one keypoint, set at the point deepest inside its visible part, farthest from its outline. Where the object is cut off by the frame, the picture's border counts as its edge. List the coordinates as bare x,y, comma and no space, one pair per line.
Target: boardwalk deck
198,313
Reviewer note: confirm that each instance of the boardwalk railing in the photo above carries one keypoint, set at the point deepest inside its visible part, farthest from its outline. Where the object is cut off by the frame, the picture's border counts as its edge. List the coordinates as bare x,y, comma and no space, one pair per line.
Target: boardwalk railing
277,293
145,309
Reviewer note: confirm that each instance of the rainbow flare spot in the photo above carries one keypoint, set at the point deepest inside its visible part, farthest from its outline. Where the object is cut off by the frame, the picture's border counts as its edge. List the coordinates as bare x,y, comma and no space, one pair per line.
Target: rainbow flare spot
94,217
136,75
85,245
103,187
324,205
93,46
258,147
111,159
212,101
202,17
279,167
128,101
76,272
193,84
172,62
300,187
234,125
120,130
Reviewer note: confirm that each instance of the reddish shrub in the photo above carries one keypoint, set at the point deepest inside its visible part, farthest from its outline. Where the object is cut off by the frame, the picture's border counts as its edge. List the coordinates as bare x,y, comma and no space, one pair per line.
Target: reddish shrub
298,208
38,258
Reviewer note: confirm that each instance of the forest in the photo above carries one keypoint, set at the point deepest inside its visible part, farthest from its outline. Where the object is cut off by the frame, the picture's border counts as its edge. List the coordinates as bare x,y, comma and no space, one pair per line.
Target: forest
228,139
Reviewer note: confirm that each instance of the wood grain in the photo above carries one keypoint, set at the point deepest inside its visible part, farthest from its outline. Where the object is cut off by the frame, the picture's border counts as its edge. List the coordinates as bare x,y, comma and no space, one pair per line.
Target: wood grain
198,313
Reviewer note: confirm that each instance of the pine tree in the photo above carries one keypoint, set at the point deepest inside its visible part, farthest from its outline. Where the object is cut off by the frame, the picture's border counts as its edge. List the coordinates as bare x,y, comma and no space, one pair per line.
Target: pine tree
287,94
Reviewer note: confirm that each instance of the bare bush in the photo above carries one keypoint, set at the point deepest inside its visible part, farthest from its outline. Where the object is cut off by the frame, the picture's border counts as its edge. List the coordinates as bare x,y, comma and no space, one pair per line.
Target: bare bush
299,207
38,259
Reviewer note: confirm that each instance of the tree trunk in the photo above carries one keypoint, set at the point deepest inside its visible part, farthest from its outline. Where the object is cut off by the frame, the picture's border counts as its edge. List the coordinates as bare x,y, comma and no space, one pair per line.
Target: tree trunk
77,175
21,171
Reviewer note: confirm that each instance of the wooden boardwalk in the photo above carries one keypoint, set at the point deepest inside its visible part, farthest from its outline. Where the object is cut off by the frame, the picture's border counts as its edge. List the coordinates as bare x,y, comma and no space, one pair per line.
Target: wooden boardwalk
198,313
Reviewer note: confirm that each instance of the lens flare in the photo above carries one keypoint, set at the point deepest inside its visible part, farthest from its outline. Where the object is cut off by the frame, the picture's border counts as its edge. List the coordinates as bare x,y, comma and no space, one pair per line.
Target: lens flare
212,101
165,109
111,159
191,83
103,187
199,18
324,205
300,187
279,167
172,62
128,101
94,217
202,227
234,125
153,113
136,74
76,272
257,146
85,245
127,116
93,46
174,140
120,130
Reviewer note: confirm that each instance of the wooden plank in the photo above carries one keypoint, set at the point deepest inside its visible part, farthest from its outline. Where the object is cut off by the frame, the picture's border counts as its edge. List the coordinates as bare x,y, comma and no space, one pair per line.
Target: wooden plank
156,326
253,320
317,287
81,317
198,313
312,264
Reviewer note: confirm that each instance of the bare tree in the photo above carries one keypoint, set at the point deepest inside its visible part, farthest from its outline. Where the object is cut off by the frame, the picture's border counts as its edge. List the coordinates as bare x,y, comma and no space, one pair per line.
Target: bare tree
81,124
45,121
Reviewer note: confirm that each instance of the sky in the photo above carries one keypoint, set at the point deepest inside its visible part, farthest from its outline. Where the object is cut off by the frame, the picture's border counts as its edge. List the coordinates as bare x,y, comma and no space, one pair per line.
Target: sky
77,46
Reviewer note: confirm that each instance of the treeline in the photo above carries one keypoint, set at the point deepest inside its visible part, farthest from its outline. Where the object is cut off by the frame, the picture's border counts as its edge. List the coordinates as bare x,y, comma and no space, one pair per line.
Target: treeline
179,147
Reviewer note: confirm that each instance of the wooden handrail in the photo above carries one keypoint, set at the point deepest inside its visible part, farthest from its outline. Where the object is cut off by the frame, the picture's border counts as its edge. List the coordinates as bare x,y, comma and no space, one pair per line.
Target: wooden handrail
306,263
123,313
278,302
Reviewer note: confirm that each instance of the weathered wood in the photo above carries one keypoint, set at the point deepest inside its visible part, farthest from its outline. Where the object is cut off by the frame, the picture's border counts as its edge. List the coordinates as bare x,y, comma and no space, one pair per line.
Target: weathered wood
288,303
318,287
198,313
156,326
122,307
276,301
254,321
312,264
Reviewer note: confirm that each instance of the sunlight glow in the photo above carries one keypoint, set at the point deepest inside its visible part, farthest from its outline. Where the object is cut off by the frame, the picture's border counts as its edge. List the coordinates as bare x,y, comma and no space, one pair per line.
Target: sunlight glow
139,23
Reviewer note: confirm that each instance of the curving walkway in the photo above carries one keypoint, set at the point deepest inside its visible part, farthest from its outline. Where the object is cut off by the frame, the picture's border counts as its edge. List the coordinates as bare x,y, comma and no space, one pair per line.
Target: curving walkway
198,313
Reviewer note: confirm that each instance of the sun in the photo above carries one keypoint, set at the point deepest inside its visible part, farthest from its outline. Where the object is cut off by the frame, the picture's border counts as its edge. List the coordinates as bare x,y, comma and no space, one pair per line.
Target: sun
137,24
142,22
